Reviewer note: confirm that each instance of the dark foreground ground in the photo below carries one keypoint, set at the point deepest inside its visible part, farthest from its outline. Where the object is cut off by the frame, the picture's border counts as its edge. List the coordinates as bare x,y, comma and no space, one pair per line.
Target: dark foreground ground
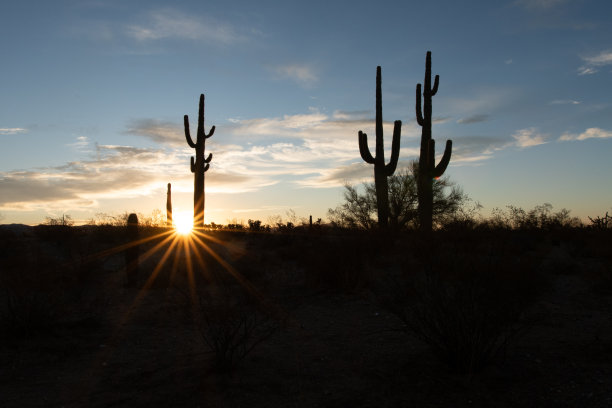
73,335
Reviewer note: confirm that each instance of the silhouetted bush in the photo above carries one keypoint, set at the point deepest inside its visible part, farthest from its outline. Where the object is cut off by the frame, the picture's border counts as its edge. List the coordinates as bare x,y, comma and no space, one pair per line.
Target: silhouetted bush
232,320
359,209
601,223
467,307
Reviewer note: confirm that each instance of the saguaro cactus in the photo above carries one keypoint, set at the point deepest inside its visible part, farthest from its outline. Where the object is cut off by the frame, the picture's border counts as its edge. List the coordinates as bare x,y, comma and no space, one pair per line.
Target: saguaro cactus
428,171
169,206
200,165
381,170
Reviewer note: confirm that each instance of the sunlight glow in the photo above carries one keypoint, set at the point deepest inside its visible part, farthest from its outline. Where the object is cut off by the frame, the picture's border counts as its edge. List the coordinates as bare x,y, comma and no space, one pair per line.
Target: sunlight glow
183,222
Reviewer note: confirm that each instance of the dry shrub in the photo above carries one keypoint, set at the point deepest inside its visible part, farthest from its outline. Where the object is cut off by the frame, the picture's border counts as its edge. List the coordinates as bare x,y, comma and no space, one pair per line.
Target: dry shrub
467,308
232,320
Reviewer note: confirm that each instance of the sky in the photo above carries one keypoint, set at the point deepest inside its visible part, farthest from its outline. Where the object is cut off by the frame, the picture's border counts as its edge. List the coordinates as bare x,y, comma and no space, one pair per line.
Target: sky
93,93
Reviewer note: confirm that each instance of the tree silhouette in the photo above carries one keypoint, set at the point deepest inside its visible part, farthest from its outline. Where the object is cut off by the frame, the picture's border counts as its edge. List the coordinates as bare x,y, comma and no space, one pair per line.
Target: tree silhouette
359,208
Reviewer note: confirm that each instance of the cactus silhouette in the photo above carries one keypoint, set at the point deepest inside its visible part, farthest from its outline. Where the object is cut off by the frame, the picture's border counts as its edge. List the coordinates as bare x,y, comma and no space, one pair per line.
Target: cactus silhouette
381,170
428,171
132,266
169,206
200,165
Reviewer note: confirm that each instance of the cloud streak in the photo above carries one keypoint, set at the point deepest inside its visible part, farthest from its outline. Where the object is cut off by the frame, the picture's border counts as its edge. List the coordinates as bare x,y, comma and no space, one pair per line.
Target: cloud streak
171,24
590,133
473,119
116,172
539,4
564,102
529,138
593,63
302,74
166,133
11,131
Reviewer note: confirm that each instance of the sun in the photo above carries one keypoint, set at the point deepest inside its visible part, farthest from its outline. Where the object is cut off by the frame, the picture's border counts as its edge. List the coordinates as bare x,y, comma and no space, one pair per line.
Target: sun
183,222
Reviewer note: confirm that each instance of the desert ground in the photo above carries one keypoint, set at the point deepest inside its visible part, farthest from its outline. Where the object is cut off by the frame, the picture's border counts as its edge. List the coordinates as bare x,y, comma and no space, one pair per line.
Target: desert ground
323,311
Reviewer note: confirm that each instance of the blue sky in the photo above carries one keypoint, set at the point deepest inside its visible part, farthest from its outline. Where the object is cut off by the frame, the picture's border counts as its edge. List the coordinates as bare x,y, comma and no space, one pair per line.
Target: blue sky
92,96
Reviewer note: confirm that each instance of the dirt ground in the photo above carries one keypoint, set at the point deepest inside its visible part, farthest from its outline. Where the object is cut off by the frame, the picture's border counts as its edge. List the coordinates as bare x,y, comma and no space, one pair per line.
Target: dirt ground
335,348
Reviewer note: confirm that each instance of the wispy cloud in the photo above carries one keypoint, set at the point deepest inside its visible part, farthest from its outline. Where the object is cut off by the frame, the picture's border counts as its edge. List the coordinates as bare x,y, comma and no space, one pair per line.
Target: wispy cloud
11,131
529,137
167,133
480,100
593,63
302,74
168,23
590,133
539,4
81,144
564,102
473,119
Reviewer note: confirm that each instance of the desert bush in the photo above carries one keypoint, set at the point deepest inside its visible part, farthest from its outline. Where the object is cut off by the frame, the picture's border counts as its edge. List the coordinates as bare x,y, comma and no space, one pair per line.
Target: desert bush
232,320
601,223
467,308
541,217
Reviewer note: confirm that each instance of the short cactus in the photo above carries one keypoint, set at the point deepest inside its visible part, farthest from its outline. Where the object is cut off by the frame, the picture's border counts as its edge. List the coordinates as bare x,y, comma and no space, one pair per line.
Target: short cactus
200,165
381,170
428,171
169,206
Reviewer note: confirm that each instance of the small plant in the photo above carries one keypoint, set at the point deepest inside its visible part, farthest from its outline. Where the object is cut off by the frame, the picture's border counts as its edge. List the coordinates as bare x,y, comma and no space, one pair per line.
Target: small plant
232,321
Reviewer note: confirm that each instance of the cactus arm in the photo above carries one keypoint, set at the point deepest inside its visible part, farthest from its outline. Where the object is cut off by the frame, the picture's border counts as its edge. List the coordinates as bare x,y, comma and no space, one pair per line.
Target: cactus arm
381,170
434,90
441,167
364,150
212,130
187,134
395,148
419,112
201,131
208,159
206,167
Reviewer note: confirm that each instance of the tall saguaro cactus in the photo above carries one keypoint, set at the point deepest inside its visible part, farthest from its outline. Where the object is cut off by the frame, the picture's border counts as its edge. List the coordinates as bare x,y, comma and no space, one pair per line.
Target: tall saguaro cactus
169,206
381,170
200,165
428,171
